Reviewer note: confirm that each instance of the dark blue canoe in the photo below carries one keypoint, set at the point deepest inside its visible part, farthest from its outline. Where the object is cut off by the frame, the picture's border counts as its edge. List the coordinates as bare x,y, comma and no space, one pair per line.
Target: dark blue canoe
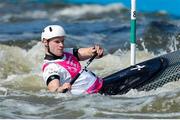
144,76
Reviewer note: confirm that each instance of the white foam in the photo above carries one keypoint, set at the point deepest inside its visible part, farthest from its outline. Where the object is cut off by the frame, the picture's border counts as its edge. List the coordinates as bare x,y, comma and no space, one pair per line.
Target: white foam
115,62
4,91
37,14
169,88
77,11
13,60
71,11
36,55
23,106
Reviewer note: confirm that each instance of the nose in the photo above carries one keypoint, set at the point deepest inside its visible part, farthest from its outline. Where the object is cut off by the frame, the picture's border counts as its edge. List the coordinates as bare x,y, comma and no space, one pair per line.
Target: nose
61,44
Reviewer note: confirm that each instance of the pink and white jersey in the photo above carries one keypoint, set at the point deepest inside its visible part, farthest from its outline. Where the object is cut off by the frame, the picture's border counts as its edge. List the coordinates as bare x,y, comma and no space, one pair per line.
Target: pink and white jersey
67,68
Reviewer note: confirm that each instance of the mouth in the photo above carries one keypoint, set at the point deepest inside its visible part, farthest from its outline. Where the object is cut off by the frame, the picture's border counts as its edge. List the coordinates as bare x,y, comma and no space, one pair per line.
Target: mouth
60,49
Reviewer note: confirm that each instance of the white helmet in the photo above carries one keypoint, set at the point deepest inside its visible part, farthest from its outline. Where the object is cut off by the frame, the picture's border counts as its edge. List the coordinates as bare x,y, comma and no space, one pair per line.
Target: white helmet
52,31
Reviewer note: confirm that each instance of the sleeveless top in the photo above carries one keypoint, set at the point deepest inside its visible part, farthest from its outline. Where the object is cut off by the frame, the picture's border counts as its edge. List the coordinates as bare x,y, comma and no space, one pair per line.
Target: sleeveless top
67,68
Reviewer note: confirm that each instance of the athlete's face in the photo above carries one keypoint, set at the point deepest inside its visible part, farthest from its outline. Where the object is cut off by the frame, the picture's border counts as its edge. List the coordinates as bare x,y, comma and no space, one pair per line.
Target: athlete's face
56,46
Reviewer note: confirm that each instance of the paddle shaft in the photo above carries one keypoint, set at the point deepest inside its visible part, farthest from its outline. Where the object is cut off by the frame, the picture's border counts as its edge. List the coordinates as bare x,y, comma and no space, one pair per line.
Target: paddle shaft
76,77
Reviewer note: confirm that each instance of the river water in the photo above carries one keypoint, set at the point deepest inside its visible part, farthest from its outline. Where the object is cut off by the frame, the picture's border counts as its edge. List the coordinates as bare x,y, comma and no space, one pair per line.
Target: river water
22,91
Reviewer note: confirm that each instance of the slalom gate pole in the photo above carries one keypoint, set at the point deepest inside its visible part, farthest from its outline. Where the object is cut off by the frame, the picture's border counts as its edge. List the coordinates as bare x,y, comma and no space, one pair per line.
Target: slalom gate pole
133,32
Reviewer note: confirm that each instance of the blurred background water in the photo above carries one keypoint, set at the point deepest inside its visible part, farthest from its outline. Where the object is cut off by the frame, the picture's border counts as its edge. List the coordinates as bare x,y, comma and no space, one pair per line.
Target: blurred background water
22,91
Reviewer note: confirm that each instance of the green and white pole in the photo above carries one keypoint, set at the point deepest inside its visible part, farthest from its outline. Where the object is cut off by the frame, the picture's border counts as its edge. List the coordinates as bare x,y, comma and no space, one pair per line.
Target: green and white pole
133,32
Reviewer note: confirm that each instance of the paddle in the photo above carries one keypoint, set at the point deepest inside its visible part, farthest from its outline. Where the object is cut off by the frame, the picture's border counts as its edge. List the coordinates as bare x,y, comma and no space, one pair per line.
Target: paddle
85,68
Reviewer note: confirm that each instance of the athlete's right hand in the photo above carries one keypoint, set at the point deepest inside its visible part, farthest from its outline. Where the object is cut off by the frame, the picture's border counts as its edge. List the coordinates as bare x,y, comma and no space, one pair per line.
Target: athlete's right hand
98,50
63,87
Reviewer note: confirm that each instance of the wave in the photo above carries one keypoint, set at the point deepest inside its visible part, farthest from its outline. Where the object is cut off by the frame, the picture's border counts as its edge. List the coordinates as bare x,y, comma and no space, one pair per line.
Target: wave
77,11
54,14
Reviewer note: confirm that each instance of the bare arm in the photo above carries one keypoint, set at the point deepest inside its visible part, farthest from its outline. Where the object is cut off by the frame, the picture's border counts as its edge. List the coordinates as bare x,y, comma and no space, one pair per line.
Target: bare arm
86,53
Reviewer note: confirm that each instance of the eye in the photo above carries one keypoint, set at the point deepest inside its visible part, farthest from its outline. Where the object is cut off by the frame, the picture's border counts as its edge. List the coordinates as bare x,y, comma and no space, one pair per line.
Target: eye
57,41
